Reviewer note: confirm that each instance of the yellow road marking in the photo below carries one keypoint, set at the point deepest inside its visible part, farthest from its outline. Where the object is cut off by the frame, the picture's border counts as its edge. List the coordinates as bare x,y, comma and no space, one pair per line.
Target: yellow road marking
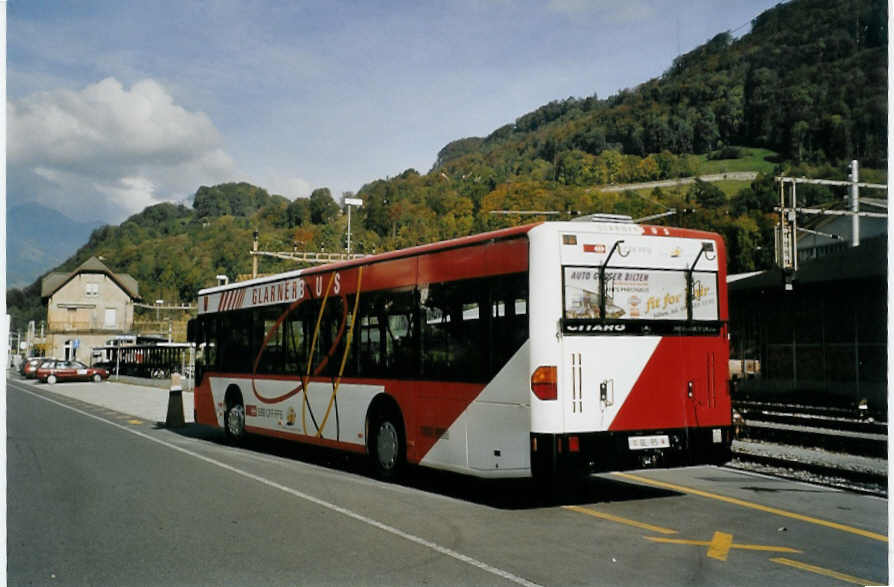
822,571
619,519
720,544
134,421
756,506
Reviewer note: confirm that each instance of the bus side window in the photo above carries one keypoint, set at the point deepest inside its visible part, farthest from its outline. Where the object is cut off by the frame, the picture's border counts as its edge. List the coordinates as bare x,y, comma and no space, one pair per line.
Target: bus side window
469,337
235,350
332,337
509,317
368,345
272,356
454,336
373,336
399,312
295,342
211,343
436,357
326,354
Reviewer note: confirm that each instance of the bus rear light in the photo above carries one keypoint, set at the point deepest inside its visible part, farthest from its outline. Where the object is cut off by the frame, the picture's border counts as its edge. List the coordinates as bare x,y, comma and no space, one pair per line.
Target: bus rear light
573,444
543,382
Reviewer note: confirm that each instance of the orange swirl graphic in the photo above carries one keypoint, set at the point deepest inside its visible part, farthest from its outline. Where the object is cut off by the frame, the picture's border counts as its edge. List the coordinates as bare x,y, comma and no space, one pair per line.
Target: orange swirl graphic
316,368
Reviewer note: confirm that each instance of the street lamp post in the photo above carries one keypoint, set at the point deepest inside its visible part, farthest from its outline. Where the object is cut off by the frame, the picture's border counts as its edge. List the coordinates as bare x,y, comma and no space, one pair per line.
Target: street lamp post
158,304
351,202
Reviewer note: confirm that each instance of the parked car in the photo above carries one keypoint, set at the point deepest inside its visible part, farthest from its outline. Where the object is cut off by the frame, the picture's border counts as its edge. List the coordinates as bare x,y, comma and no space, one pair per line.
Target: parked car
29,366
56,370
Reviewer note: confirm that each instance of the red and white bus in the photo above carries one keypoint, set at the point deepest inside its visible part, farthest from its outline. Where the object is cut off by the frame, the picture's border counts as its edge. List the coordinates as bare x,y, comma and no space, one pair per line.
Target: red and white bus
532,350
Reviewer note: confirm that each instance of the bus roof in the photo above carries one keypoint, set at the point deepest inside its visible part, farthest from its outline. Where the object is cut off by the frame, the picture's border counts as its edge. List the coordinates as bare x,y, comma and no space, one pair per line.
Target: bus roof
409,252
505,233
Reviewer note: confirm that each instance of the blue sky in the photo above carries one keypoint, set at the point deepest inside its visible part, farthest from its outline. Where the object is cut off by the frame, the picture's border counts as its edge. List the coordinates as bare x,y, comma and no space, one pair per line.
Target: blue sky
113,106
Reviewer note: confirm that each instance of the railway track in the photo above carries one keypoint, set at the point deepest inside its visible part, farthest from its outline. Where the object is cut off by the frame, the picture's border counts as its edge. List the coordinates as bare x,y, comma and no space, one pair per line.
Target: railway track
829,446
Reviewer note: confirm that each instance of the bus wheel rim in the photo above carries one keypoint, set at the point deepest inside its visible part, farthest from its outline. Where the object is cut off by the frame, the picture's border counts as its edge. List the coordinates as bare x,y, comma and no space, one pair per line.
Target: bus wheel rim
236,420
387,445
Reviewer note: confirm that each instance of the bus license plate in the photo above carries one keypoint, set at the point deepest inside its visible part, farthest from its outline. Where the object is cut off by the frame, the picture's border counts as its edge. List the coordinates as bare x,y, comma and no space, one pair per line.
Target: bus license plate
644,442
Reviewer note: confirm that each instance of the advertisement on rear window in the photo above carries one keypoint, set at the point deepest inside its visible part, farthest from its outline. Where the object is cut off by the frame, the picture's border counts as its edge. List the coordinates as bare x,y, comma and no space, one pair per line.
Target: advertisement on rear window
638,294
704,295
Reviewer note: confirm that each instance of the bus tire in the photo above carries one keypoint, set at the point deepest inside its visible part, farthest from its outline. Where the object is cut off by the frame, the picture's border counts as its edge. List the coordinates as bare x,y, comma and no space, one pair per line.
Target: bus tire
234,419
388,444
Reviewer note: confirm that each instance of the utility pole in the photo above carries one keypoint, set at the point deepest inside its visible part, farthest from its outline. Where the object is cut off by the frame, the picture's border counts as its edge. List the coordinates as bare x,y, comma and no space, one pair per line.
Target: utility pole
254,258
351,202
787,229
854,176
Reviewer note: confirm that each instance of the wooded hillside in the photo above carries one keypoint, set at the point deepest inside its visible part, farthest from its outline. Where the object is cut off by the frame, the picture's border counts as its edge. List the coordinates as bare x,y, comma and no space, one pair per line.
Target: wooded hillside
803,93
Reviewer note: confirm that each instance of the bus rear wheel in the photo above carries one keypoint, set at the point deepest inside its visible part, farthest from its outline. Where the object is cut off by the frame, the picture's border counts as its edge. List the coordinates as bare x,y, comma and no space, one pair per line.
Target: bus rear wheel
388,448
234,422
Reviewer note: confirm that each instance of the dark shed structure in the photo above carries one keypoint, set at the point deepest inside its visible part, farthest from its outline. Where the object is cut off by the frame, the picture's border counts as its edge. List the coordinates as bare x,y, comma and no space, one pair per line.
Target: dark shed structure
824,343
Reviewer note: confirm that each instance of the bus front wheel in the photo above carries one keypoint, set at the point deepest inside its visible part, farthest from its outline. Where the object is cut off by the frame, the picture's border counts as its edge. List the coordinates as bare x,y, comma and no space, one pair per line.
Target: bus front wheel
388,446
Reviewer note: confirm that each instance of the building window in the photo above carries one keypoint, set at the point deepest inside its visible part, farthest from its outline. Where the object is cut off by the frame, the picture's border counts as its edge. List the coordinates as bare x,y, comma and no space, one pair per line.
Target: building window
92,290
111,317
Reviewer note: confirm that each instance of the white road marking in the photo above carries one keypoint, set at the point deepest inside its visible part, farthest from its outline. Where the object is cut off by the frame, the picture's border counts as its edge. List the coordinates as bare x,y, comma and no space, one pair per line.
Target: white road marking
315,500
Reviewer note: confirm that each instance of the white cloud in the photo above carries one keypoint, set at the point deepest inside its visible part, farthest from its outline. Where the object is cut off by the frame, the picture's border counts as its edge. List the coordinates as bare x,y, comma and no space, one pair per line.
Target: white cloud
137,192
111,149
290,187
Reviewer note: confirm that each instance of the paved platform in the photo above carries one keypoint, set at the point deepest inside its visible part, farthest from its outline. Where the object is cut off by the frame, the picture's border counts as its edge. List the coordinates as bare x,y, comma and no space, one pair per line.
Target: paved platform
143,401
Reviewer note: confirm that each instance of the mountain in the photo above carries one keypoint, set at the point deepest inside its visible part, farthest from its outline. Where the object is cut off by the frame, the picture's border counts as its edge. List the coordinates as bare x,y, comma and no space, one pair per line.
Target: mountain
38,239
808,81
801,94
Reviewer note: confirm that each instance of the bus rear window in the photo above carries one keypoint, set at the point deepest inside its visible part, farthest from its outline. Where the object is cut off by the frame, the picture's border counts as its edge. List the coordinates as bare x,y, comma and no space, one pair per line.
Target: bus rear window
638,294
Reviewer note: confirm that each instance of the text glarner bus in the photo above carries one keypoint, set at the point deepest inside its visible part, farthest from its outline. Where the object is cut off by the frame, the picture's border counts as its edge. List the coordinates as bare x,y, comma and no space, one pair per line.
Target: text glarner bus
530,350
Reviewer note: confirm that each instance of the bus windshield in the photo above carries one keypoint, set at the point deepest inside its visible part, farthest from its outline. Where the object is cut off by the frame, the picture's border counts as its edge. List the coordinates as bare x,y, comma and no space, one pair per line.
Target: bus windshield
639,294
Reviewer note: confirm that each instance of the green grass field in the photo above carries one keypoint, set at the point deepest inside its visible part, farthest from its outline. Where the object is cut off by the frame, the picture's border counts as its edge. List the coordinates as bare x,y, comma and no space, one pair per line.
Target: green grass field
754,160
730,187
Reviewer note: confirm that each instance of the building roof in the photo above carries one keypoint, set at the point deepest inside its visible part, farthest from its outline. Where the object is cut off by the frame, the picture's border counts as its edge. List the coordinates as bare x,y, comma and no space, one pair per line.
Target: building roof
54,281
867,261
869,227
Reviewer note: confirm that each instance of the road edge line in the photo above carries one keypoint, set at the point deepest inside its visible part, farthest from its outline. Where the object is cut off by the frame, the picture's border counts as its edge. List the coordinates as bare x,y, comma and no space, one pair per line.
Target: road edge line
307,497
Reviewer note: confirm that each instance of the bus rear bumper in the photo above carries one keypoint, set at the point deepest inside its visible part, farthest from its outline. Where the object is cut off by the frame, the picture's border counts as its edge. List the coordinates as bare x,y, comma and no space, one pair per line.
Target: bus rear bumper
625,450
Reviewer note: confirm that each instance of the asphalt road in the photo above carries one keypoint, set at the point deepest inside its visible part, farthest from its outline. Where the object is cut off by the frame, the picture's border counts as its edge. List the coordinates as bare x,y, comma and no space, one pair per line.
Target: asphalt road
97,497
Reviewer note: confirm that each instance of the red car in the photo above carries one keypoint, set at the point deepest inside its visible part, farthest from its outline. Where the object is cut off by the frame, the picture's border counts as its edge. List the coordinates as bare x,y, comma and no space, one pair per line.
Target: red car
29,366
55,370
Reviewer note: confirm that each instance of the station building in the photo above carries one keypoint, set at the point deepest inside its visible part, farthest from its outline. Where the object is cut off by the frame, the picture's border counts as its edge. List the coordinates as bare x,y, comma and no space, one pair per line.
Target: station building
822,343
85,308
